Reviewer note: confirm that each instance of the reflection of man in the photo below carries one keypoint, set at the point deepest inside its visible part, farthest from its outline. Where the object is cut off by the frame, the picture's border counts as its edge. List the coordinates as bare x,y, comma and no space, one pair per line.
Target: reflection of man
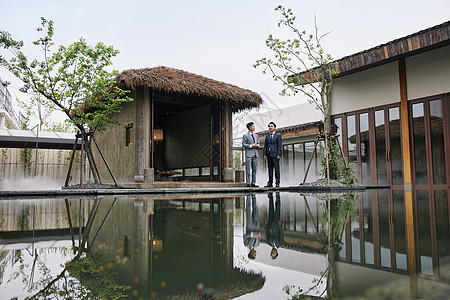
273,226
252,236
250,143
272,151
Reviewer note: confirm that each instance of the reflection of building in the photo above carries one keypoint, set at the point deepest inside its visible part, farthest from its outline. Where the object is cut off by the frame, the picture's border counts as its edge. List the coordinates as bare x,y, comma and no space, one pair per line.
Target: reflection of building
390,107
178,125
301,217
302,257
169,247
36,228
24,218
376,238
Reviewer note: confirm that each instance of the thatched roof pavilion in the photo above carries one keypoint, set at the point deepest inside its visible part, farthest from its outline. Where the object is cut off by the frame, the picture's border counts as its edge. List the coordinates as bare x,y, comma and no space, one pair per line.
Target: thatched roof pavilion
177,128
178,82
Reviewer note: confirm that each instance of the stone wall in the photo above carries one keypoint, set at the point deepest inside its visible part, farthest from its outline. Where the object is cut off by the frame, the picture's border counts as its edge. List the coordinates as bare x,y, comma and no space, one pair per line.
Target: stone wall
18,165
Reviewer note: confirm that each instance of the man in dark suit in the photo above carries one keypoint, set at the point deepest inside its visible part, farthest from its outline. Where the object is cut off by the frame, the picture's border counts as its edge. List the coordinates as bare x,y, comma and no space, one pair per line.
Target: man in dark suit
272,152
273,226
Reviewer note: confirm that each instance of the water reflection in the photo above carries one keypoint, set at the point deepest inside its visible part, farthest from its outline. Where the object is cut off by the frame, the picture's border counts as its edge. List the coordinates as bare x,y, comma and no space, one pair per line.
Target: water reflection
273,226
379,236
346,246
252,234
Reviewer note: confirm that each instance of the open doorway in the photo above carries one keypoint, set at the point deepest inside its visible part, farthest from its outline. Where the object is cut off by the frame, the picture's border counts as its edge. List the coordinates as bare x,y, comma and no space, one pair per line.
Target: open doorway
184,142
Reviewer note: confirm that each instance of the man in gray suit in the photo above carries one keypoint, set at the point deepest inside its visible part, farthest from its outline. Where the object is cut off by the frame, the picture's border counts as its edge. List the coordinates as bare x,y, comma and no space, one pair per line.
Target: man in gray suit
250,143
252,236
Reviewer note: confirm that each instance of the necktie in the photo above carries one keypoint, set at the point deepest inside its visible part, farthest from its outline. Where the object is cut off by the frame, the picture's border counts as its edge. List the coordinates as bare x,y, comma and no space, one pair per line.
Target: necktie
253,138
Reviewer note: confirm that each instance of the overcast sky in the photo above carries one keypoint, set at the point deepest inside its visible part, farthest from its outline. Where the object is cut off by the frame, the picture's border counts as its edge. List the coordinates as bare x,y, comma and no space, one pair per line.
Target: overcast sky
217,39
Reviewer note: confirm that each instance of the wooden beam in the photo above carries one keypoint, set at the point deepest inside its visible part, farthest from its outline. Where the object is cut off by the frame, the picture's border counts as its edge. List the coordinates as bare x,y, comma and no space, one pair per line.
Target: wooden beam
186,101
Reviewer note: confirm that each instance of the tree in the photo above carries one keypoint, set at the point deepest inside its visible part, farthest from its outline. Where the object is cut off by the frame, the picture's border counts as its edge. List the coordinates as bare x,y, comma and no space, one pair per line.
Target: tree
73,79
302,65
35,108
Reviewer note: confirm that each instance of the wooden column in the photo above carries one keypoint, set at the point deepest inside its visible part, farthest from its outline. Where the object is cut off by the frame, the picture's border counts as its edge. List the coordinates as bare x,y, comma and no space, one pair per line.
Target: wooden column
141,254
228,136
407,179
406,143
140,136
152,127
147,124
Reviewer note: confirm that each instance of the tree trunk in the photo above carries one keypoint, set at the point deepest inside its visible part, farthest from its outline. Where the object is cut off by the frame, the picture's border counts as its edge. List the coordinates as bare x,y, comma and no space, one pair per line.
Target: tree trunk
327,131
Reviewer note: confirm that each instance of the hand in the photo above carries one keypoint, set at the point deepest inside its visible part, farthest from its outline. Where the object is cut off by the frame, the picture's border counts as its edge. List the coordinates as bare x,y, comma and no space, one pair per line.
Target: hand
278,157
255,145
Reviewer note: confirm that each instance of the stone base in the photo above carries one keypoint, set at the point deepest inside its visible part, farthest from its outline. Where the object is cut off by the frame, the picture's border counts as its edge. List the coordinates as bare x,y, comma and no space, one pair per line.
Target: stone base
239,176
138,178
228,175
149,175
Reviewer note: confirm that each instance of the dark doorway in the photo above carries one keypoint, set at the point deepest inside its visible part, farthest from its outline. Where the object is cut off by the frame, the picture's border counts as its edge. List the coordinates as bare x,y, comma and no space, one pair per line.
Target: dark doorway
187,138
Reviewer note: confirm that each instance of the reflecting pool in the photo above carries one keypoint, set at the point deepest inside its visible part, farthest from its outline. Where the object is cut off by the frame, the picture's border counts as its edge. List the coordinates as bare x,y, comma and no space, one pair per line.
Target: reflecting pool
256,246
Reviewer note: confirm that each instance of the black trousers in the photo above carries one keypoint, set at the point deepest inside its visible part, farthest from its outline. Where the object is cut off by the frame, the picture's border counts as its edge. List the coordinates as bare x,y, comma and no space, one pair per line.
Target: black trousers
273,163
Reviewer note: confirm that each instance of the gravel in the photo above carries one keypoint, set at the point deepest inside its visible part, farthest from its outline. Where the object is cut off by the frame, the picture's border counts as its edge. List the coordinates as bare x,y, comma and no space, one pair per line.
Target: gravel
318,183
323,183
96,186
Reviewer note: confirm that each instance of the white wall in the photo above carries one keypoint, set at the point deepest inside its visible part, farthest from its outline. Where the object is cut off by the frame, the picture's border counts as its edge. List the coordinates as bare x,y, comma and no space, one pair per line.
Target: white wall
369,88
288,116
428,74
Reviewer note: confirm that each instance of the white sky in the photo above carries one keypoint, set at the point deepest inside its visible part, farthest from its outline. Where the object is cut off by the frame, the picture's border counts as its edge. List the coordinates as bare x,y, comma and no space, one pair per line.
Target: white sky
217,39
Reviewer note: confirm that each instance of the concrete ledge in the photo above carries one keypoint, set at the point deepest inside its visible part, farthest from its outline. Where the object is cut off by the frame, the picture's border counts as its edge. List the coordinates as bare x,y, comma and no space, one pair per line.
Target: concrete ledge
327,188
185,190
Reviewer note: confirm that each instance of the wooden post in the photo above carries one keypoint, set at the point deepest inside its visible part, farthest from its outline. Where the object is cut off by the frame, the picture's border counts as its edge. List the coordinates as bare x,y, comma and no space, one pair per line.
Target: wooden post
140,136
309,164
25,162
104,220
92,164
81,160
71,161
106,163
316,225
70,222
406,143
407,179
80,226
91,218
152,128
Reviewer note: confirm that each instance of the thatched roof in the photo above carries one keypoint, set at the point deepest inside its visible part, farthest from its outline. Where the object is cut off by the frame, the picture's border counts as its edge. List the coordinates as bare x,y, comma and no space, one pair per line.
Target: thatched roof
182,83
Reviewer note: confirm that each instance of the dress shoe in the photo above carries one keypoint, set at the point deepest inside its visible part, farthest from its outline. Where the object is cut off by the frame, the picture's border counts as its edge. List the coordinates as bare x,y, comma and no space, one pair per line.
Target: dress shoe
254,185
249,185
269,185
